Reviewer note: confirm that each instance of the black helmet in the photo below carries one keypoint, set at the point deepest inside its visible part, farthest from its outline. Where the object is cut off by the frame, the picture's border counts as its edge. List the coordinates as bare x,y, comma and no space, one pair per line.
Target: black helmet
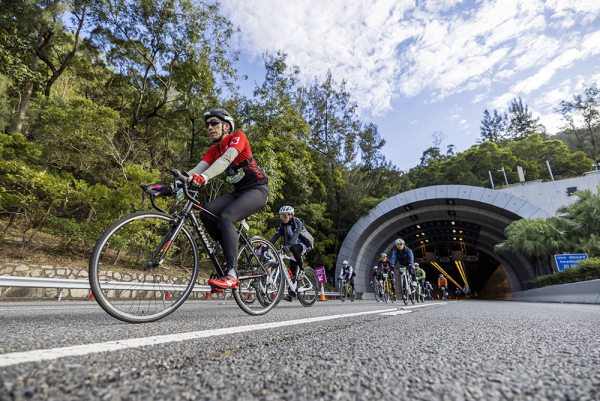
222,115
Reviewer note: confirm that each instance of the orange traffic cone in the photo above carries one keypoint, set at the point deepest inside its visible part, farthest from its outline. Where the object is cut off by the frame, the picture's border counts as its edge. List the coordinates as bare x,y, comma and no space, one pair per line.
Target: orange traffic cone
322,296
91,293
167,294
207,296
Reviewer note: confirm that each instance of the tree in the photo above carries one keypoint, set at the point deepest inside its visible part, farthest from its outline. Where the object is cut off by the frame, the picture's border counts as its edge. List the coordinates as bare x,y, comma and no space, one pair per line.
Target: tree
493,129
371,143
585,106
331,114
520,122
39,24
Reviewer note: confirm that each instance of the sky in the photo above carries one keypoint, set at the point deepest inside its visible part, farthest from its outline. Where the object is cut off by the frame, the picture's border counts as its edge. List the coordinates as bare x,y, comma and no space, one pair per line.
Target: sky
417,67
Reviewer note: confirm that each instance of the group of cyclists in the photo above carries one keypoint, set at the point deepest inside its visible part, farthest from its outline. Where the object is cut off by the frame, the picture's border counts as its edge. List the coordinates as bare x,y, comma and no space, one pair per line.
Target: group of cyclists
231,153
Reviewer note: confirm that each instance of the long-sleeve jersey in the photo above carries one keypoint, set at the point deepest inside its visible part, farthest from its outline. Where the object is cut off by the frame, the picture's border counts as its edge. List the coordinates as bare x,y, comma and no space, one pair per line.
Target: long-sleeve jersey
442,282
404,256
420,273
347,270
385,267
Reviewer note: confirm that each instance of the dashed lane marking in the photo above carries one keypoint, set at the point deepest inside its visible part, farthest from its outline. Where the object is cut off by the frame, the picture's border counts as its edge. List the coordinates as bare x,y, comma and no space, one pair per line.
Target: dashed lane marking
398,312
79,350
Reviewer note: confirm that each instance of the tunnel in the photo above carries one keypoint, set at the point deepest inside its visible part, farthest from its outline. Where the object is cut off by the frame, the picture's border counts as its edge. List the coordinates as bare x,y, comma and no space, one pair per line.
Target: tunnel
452,230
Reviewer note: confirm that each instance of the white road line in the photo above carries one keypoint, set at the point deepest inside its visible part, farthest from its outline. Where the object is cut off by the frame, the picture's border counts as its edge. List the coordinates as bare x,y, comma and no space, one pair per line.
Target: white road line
398,312
79,350
422,306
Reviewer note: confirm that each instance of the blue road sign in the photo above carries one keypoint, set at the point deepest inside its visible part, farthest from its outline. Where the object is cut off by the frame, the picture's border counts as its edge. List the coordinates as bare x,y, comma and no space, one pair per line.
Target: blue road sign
567,261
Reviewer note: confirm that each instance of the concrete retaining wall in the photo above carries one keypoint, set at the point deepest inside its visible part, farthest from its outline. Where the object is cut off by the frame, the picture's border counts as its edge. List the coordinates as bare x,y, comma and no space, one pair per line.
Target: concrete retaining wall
22,270
584,292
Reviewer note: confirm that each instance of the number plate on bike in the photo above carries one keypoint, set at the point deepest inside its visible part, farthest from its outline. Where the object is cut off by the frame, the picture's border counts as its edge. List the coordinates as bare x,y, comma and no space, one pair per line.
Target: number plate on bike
385,275
180,195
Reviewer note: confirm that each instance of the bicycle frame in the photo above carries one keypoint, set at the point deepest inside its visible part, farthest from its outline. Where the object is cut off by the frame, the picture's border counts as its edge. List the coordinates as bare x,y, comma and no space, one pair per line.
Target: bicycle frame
185,214
292,286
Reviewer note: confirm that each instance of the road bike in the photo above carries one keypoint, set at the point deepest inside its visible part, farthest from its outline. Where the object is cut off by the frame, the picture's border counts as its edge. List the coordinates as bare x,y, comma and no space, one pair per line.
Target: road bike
420,295
306,285
407,290
388,293
378,289
145,265
345,291
444,292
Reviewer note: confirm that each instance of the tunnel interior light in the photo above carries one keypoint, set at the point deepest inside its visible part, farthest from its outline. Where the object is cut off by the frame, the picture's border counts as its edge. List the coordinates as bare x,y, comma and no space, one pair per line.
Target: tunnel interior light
460,267
453,231
421,242
423,234
418,226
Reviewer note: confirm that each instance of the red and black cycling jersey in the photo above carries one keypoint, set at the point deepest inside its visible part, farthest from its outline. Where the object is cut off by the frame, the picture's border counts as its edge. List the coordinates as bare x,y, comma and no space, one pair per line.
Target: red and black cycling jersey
385,267
253,174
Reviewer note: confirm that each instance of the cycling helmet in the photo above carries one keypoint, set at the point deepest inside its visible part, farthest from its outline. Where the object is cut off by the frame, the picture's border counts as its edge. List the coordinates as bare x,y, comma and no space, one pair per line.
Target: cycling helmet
345,262
441,275
286,210
383,255
255,240
222,115
399,241
375,267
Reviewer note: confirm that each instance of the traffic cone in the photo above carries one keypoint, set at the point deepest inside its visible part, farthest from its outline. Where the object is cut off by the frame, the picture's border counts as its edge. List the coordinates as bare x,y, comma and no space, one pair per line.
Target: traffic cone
322,296
249,296
91,293
207,296
167,294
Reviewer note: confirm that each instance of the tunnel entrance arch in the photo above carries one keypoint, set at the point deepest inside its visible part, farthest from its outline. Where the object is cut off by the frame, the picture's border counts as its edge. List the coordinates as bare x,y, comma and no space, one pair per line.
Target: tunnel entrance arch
454,226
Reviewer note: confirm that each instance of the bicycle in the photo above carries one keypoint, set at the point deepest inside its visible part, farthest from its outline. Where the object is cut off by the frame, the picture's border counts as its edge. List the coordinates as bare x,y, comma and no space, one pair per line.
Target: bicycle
419,294
406,287
306,285
345,291
444,293
378,289
150,261
388,294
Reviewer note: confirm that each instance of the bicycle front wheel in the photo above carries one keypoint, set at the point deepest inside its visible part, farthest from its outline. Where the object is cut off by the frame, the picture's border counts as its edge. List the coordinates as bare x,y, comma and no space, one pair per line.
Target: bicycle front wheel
307,287
343,293
404,289
141,269
377,298
261,279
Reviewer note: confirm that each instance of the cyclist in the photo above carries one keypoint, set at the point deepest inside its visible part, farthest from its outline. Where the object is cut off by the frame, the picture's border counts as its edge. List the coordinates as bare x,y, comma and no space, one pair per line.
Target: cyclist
385,266
262,251
428,290
347,273
420,275
230,153
376,278
296,239
443,284
402,256
466,291
458,292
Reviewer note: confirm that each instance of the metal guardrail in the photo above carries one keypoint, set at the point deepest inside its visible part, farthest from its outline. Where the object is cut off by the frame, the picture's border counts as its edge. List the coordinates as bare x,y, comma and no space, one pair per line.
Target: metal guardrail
73,284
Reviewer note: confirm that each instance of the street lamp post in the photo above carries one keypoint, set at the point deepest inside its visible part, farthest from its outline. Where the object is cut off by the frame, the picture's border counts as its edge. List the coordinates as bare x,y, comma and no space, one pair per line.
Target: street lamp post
504,172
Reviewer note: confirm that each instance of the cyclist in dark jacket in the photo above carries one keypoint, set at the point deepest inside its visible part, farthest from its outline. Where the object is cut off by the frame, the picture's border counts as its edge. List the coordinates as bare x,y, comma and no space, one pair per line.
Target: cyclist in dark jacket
386,267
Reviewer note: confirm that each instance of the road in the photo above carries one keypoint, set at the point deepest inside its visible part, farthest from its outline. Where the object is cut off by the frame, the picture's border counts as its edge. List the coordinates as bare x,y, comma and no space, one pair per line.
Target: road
332,351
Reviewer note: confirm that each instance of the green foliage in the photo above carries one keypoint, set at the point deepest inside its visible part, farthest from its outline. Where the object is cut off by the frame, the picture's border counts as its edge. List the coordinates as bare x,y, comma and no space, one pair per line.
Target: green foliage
587,269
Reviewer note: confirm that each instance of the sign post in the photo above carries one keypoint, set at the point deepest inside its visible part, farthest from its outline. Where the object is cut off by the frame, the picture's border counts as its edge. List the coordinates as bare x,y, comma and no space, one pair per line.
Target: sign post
569,261
322,279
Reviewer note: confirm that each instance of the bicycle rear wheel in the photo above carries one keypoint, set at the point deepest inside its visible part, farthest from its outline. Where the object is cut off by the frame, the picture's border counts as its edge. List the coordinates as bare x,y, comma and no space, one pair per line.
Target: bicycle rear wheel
307,290
261,282
140,271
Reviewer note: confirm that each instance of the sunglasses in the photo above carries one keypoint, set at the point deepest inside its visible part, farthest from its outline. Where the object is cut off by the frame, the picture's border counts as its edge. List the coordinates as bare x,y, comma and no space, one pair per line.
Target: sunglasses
213,123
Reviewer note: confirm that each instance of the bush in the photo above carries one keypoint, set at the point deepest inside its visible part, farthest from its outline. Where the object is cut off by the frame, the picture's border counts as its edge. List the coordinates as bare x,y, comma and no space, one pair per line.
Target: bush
587,269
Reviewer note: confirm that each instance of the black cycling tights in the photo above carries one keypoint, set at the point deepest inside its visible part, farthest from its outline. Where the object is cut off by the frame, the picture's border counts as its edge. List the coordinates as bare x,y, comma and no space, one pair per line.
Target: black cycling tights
297,252
230,209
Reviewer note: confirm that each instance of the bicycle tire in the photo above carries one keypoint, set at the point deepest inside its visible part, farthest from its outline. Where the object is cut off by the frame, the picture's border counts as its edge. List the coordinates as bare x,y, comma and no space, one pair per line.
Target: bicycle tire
307,291
386,294
261,276
404,290
135,287
343,293
376,290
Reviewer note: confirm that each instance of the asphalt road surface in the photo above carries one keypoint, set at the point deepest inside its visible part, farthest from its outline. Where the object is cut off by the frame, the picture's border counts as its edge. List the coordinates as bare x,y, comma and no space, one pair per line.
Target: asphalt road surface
332,351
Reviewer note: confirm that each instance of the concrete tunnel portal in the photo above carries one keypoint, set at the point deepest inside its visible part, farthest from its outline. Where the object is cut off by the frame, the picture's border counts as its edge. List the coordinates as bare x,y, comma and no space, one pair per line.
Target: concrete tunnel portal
453,227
